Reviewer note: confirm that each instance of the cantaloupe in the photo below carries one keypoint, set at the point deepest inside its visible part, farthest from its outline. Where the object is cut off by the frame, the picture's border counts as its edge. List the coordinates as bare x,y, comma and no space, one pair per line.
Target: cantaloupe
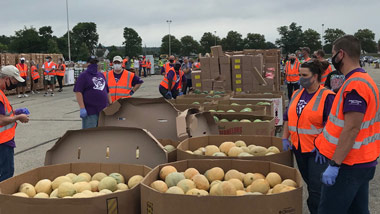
258,151
118,177
270,153
57,181
245,154
245,149
226,188
213,189
289,182
240,143
54,194
197,192
20,194
273,179
160,186
43,185
215,173
237,183
278,188
108,183
215,182
287,189
88,193
219,154
80,195
250,177
235,151
198,152
94,185
173,178
259,185
24,185
273,149
98,176
211,149
190,152
226,146
29,190
201,182
66,189
175,190
166,170
122,186
134,181
270,192
169,148
79,178
71,175
82,186
86,175
105,191
233,173
190,172
186,185
41,195
254,193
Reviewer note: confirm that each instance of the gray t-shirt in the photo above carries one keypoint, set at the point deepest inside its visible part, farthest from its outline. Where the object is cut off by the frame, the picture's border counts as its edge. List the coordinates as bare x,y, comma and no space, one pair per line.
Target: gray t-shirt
186,66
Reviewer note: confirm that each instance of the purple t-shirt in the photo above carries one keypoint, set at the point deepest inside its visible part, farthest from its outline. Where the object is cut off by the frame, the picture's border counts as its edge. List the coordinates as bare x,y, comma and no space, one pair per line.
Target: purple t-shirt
353,101
136,80
10,143
92,84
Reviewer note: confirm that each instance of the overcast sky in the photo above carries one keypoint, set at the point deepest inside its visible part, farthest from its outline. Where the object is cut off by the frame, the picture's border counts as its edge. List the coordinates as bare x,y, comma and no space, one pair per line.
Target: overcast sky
192,17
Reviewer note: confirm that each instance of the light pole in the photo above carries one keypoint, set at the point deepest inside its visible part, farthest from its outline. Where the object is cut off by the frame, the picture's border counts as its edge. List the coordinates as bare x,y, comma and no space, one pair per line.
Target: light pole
323,30
170,45
68,29
215,37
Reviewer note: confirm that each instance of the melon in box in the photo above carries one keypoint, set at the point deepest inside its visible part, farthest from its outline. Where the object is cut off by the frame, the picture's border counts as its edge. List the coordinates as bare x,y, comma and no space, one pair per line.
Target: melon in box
171,148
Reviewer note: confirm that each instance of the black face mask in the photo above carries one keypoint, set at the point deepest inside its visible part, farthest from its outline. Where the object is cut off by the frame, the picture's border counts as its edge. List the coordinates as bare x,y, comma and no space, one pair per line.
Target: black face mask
337,65
10,87
22,61
177,67
292,60
171,61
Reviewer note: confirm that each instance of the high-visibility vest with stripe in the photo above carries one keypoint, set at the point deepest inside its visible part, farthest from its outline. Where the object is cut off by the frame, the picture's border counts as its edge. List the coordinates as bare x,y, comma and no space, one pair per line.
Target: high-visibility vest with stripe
367,143
49,68
61,70
165,82
7,132
292,75
121,88
305,128
34,72
325,74
23,68
143,63
181,73
167,67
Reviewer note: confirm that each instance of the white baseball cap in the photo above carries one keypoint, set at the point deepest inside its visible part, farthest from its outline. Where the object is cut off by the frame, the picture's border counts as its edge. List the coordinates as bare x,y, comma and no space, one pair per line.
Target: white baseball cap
117,58
22,58
11,71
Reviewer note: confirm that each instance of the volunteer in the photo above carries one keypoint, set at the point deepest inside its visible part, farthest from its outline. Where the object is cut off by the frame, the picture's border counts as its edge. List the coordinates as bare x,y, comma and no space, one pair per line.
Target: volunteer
186,68
35,77
49,75
137,66
148,67
121,83
9,77
305,53
320,55
292,74
144,65
160,63
60,73
92,93
125,61
168,65
169,86
351,138
306,115
23,69
334,81
197,65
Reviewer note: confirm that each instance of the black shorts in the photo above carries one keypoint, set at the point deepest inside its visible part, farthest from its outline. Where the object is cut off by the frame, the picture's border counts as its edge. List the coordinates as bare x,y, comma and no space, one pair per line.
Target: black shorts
35,81
22,84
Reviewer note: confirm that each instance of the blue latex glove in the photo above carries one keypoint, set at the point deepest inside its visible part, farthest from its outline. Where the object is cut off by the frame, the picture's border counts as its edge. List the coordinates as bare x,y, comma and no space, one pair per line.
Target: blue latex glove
22,111
330,174
168,95
180,94
131,93
286,145
319,158
83,113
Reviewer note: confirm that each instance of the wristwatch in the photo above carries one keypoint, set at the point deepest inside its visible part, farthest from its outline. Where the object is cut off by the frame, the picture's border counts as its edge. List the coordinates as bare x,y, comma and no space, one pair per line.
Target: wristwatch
333,163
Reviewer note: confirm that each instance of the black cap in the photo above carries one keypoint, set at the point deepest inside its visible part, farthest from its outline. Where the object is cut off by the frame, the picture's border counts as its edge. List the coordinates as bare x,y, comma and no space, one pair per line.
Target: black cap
92,59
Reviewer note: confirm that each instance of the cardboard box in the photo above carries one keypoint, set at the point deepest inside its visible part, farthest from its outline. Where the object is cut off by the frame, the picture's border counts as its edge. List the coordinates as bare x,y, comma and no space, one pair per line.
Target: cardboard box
225,72
207,84
119,202
196,80
258,62
205,67
172,156
162,203
214,67
217,51
204,96
237,73
224,60
245,102
192,144
256,110
241,128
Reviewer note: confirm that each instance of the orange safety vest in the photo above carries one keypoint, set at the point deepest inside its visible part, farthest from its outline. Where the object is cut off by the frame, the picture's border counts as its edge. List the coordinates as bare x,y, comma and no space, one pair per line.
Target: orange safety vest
7,132
122,88
306,127
49,68
325,74
34,73
367,143
306,60
292,75
149,65
181,73
23,68
61,70
124,62
167,67
197,65
143,63
165,82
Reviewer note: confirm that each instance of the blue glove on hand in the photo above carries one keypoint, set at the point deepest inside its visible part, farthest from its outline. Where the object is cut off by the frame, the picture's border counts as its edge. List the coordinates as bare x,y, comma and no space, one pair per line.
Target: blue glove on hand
83,113
286,145
330,174
319,158
180,94
131,93
169,95
22,111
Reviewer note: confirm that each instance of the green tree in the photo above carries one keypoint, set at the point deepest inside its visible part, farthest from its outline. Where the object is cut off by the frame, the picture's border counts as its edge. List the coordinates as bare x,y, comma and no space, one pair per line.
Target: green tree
3,48
52,46
189,46
311,39
290,37
63,45
45,33
175,45
132,43
207,41
5,40
85,32
82,53
270,45
114,51
254,41
233,41
367,40
26,40
330,36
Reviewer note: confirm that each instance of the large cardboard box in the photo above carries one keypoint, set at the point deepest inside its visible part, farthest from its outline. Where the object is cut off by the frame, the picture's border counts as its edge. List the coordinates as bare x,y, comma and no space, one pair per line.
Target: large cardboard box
225,72
161,203
118,202
266,127
192,144
217,51
205,67
196,80
237,73
207,84
256,110
214,67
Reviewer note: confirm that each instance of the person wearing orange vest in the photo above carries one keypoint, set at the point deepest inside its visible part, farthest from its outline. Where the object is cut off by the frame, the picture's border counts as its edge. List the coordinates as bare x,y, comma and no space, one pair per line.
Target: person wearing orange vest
125,61
9,77
60,73
304,119
292,74
23,68
121,83
320,55
168,65
35,76
174,83
49,68
148,67
350,141
305,53
197,65
144,64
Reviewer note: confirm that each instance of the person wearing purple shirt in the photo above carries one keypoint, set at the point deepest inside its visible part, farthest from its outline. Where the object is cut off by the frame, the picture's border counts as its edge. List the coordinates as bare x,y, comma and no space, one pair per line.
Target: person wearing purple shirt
92,94
175,91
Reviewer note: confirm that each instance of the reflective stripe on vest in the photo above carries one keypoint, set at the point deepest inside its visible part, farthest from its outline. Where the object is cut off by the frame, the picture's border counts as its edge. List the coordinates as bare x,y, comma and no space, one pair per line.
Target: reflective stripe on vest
34,72
7,132
311,131
292,75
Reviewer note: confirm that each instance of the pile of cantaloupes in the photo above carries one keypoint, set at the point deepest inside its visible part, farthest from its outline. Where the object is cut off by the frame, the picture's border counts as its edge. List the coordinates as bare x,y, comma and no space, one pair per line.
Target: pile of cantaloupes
216,182
235,149
82,185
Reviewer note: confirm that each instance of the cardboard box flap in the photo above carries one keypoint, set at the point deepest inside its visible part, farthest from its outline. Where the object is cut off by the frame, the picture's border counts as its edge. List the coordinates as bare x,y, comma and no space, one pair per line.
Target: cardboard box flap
107,145
258,77
182,132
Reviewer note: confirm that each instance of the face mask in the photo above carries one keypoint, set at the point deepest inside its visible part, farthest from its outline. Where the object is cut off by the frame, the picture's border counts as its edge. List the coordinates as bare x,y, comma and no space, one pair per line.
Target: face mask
22,61
117,66
292,60
306,82
336,64
171,61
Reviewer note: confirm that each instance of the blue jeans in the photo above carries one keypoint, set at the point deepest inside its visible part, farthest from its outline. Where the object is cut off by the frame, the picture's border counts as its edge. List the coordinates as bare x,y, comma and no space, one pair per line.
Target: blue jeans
350,192
311,173
6,162
91,121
